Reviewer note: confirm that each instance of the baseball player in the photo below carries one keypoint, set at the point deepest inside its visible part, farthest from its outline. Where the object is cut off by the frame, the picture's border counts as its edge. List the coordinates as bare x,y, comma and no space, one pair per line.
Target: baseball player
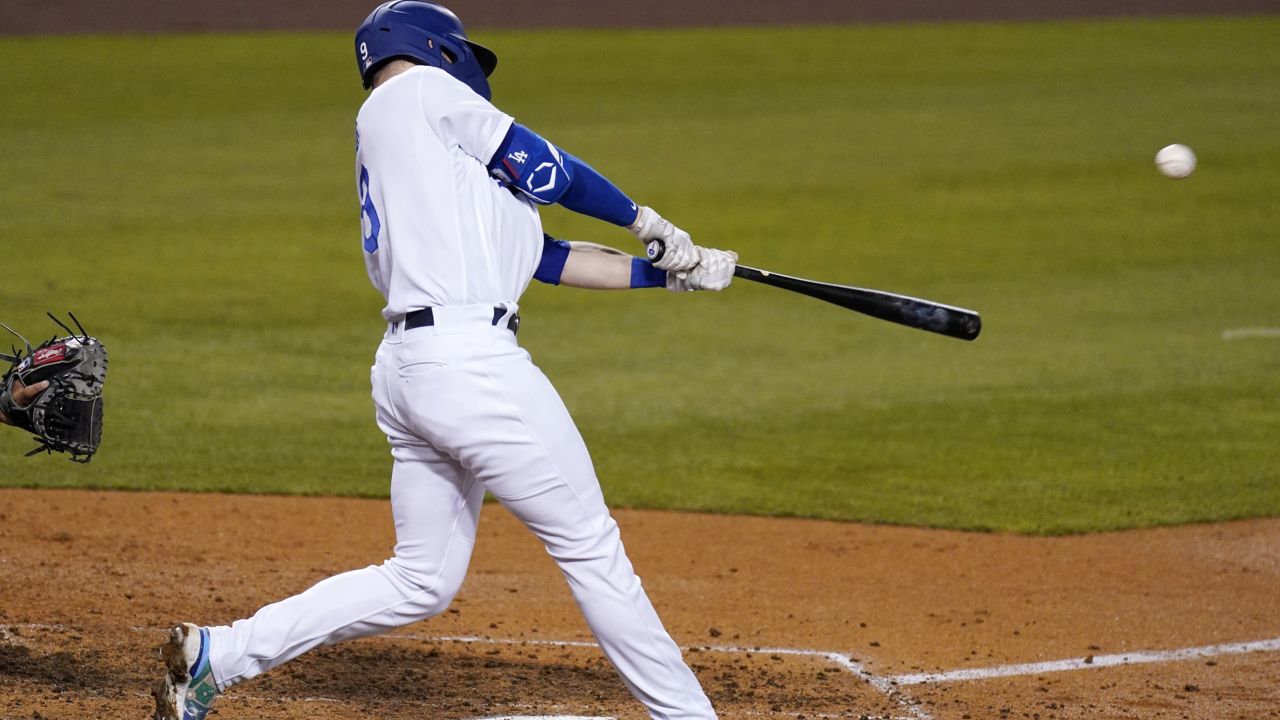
449,188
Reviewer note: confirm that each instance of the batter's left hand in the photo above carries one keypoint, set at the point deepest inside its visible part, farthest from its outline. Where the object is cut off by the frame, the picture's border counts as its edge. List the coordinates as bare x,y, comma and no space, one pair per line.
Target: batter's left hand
714,271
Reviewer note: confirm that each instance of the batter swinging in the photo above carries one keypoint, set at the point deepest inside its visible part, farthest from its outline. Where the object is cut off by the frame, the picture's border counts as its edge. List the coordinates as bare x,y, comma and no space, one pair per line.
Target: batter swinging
448,187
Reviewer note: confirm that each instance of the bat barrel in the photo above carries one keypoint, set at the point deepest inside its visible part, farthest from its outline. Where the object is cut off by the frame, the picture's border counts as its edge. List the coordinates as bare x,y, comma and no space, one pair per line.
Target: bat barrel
900,309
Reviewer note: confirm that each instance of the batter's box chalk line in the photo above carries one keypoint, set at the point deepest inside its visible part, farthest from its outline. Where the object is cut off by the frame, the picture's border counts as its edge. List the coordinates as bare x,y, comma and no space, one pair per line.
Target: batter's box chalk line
882,684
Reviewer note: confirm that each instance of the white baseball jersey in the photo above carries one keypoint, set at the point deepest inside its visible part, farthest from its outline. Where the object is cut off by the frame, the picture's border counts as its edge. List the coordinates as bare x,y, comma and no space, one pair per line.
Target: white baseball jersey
438,229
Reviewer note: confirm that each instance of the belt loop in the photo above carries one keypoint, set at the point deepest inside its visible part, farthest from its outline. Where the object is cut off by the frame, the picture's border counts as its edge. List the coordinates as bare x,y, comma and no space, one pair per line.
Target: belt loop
394,331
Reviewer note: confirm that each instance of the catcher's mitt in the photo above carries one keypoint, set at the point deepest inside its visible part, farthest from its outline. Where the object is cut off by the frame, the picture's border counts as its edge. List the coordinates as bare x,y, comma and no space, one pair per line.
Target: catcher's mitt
67,415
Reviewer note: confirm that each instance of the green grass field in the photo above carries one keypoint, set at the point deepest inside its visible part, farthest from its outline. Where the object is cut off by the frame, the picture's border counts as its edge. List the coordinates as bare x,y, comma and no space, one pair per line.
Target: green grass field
192,199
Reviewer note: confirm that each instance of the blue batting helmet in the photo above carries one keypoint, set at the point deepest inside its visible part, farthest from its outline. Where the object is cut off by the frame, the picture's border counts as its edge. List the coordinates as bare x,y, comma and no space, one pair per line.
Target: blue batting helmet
426,33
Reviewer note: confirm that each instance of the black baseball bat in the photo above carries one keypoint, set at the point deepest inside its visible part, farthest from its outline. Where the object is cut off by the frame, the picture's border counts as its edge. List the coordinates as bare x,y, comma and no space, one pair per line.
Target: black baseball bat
901,309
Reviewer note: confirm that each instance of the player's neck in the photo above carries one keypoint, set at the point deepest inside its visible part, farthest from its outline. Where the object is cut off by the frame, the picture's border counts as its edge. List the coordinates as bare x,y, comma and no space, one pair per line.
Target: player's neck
392,69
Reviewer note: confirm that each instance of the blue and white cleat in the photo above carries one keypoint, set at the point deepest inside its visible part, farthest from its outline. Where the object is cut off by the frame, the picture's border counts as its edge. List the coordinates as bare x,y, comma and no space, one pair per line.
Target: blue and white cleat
188,689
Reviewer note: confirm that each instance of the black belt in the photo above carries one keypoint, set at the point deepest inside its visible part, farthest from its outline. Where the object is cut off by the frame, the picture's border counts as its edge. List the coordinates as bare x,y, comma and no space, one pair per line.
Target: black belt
426,318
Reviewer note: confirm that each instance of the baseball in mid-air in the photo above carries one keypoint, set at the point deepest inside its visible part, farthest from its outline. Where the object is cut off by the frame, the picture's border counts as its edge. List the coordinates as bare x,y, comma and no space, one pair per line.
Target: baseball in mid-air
1176,161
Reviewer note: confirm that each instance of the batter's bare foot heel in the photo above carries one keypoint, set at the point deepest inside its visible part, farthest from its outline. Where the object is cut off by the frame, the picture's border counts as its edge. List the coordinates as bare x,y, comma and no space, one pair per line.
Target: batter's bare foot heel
187,689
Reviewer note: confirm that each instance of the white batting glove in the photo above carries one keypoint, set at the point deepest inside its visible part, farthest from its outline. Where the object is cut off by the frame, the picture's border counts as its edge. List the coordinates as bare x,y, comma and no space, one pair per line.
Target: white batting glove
714,271
679,251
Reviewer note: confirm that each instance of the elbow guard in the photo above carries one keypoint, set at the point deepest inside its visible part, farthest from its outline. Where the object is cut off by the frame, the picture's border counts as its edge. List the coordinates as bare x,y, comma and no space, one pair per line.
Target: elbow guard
532,165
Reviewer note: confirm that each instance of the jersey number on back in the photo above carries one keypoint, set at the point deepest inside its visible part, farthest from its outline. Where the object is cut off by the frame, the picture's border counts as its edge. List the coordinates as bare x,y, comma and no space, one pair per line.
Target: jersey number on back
369,223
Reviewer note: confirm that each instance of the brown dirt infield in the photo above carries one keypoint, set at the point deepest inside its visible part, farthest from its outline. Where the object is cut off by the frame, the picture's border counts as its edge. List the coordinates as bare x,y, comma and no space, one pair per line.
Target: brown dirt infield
89,581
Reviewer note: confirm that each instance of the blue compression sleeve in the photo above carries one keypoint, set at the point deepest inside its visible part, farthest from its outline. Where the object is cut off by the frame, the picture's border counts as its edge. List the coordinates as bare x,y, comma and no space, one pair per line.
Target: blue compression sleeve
546,174
554,255
590,193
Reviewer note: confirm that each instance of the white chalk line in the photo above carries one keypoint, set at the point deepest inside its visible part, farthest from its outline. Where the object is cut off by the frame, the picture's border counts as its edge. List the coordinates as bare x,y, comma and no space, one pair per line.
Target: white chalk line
882,684
1096,661
1251,333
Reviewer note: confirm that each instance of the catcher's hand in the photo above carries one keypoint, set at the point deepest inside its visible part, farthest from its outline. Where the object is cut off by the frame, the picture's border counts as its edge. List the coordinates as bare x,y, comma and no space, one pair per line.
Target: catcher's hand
23,394
55,392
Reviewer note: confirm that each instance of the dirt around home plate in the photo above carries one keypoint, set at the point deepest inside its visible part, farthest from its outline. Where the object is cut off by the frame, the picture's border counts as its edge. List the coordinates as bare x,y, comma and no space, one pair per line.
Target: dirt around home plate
90,580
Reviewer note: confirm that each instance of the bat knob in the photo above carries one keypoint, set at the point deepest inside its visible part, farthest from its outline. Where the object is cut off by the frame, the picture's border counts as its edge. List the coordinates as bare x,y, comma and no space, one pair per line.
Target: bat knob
655,250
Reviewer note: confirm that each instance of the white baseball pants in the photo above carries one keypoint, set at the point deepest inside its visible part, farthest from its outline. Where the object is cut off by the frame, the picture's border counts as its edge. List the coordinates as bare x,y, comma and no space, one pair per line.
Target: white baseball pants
465,411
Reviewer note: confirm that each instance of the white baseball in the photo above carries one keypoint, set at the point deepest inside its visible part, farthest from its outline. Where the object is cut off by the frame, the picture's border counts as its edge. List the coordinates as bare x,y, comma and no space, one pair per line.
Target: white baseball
1176,161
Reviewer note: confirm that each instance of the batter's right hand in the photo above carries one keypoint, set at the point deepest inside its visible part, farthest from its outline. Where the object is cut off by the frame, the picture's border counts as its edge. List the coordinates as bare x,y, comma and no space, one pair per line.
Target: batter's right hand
679,253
